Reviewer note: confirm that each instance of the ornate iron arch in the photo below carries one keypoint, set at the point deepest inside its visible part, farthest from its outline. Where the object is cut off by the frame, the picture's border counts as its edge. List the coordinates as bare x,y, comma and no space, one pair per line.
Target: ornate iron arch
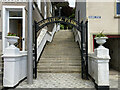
81,27
51,20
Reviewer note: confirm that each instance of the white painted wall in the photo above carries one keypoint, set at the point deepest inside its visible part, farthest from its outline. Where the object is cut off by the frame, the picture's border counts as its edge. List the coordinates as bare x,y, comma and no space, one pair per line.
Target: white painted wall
98,66
108,22
43,38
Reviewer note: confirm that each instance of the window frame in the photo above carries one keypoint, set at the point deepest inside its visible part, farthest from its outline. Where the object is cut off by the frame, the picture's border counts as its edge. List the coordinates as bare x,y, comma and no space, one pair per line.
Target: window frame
5,21
116,15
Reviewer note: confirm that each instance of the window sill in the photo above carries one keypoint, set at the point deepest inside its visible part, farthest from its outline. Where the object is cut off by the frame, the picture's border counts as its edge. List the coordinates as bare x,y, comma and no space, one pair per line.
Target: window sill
117,16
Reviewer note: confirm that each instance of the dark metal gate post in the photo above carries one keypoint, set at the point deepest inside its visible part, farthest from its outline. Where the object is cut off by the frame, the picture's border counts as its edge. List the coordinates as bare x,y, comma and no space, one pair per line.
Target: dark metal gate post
86,26
35,48
82,61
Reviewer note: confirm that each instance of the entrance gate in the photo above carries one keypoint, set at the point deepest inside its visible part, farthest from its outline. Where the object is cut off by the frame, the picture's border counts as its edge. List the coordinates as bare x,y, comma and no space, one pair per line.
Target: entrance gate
81,27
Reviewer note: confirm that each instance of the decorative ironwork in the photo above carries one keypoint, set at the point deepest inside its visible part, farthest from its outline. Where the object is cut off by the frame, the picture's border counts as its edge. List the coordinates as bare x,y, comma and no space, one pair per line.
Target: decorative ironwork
64,20
81,27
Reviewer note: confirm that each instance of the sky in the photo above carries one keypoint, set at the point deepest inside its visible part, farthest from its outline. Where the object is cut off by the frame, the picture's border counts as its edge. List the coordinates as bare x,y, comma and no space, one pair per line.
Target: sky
71,3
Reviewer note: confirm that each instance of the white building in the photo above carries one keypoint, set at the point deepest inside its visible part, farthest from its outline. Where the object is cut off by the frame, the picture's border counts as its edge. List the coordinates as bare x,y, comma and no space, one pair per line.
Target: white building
102,16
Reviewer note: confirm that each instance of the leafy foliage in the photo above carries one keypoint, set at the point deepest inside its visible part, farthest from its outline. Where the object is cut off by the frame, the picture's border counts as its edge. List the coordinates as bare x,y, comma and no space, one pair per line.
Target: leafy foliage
11,34
100,35
61,26
65,11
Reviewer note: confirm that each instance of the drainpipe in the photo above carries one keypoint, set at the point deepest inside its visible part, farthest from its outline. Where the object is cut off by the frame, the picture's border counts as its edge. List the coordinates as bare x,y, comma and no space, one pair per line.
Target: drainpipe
29,45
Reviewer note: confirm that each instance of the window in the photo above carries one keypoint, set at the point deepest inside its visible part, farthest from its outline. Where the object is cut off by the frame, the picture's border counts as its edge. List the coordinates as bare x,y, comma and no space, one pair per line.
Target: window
117,8
15,13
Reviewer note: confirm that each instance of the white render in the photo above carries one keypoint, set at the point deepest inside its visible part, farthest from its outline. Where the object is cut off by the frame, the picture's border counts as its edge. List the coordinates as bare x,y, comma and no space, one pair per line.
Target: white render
102,52
98,66
58,26
109,22
15,66
12,39
101,40
43,37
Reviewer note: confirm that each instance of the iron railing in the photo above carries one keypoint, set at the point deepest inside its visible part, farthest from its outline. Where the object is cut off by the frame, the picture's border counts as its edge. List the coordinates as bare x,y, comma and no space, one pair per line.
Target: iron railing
84,49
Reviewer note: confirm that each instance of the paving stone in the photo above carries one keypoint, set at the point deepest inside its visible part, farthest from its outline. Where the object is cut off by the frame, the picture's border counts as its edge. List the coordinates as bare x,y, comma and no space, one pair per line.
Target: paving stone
58,80
65,80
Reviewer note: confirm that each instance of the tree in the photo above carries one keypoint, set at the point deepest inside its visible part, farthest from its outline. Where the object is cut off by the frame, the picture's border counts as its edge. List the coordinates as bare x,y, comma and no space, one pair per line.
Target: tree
65,11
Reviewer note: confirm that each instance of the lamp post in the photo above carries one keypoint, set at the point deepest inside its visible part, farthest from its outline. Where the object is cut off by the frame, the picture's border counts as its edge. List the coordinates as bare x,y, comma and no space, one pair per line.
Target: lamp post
58,28
29,45
60,11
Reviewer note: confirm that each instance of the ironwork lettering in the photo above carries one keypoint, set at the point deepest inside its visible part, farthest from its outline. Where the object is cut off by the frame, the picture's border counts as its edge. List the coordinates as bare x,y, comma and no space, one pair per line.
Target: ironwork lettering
58,20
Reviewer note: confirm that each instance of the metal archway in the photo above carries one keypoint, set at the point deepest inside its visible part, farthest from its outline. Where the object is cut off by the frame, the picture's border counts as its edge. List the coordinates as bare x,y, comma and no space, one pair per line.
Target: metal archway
81,27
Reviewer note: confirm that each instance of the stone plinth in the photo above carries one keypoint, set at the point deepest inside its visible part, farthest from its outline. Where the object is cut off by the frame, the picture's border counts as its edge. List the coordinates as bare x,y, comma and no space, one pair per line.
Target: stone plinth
15,66
98,67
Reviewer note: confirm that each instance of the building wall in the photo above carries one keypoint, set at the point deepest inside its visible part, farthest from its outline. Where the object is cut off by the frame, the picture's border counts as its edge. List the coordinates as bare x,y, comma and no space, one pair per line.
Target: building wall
1,20
107,23
36,17
81,9
16,4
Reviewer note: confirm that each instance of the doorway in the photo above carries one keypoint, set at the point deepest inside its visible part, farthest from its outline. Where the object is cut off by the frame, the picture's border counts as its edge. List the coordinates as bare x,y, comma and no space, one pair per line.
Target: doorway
15,26
14,22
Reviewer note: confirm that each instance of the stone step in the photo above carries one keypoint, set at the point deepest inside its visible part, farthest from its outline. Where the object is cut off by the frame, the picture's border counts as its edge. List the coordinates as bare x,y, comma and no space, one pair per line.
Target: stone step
59,67
66,49
62,50
64,41
75,54
65,56
59,64
60,61
62,55
61,58
58,71
64,37
62,46
61,42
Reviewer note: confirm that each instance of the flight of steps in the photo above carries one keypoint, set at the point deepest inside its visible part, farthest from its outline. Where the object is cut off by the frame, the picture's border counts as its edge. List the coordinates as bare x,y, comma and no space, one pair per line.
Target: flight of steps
62,55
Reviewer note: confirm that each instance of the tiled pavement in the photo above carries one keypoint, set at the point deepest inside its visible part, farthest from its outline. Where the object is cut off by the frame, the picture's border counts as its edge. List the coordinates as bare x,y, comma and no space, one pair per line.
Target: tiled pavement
58,80
114,78
66,80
